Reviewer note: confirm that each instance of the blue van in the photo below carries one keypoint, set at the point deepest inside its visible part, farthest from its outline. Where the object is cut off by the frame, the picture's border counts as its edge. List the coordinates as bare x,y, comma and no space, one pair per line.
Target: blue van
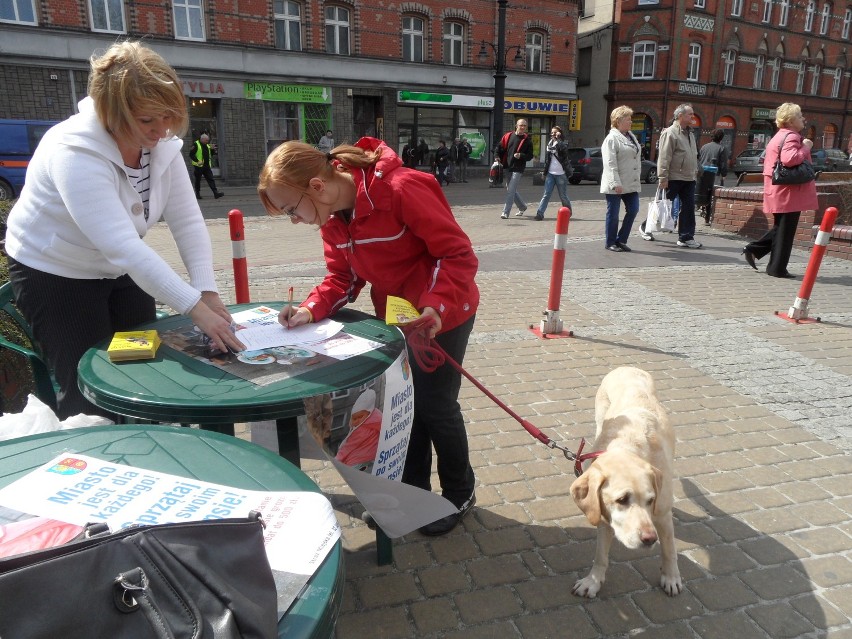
18,140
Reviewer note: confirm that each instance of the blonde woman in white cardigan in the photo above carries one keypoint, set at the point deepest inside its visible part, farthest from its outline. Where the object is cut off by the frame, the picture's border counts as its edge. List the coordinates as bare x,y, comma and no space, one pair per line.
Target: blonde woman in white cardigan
620,182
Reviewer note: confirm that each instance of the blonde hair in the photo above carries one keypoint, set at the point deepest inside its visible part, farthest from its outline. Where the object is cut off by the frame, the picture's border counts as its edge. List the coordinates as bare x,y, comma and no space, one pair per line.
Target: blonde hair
128,79
786,112
293,164
618,113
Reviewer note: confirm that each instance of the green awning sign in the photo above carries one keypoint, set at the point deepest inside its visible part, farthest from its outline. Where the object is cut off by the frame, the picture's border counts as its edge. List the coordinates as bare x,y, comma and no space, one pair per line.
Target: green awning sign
287,92
445,99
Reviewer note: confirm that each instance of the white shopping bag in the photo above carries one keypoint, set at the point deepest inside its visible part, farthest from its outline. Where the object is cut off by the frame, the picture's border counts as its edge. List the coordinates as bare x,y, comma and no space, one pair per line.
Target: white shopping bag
659,214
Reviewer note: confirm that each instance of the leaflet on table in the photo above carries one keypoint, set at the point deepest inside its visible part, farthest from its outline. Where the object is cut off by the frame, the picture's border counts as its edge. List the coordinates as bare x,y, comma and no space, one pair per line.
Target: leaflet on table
301,527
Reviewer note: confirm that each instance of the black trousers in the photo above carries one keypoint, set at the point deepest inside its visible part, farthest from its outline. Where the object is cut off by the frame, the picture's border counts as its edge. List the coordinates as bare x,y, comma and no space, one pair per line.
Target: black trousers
778,242
438,422
208,175
69,316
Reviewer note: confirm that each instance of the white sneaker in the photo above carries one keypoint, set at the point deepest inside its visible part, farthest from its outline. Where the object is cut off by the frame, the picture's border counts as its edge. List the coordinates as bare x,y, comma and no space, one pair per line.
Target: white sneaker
645,236
520,213
505,216
689,244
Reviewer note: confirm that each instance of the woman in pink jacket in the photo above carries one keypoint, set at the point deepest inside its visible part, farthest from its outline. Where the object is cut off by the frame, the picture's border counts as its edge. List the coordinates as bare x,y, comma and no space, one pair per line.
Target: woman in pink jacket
390,226
784,201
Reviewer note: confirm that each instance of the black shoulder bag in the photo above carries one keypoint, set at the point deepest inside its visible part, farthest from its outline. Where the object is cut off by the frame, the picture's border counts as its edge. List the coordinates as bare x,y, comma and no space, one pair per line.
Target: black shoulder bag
192,580
799,174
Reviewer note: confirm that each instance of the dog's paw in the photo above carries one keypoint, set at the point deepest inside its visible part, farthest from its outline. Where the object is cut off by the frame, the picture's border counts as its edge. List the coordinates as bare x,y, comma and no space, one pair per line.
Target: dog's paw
671,584
587,587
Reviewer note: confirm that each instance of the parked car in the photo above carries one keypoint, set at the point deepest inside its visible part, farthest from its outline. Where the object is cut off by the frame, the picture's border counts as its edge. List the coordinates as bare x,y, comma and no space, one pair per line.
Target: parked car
749,161
587,163
829,160
18,140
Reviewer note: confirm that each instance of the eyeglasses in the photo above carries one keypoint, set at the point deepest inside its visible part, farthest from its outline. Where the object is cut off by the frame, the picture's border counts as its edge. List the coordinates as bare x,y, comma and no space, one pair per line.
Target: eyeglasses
291,212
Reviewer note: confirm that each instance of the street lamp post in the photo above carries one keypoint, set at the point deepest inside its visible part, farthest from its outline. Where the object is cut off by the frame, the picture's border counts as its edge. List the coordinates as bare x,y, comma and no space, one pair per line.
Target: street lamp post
499,67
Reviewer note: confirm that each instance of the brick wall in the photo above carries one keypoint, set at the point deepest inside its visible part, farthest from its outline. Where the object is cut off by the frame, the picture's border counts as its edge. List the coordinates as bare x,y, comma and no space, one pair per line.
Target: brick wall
740,210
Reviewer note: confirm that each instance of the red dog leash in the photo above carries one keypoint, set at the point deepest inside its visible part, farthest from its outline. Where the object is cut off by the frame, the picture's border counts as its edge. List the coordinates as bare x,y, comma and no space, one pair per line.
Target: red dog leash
429,355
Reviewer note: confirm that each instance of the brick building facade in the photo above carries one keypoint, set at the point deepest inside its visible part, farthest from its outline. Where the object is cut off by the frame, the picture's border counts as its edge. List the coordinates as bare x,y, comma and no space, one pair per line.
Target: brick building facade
257,72
735,61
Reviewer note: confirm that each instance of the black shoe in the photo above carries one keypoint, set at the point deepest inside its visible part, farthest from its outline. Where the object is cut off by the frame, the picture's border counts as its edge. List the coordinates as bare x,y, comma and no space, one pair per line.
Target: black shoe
786,275
539,218
216,196
749,258
446,524
623,247
615,248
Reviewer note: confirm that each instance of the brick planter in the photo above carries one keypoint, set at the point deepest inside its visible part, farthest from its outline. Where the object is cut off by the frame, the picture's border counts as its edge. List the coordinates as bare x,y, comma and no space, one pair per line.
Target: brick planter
739,209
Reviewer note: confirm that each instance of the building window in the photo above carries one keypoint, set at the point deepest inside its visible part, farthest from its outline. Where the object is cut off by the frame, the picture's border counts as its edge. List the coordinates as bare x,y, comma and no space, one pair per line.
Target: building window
767,11
535,51
758,72
453,43
699,4
775,78
107,15
800,78
737,8
847,21
825,21
783,13
337,30
649,2
584,67
835,82
644,60
693,62
412,39
815,79
809,15
189,20
288,25
730,67
21,11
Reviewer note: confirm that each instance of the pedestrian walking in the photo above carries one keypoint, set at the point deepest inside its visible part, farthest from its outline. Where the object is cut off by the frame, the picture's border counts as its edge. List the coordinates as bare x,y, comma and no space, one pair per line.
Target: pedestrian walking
464,157
621,178
442,163
514,151
200,154
784,201
557,168
392,227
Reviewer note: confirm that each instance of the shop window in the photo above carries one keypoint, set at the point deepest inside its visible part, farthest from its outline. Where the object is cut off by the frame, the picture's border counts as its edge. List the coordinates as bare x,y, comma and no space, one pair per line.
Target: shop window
693,63
107,15
189,16
535,51
730,67
412,39
454,43
288,25
825,21
644,60
20,11
317,118
281,120
783,13
736,8
337,30
809,15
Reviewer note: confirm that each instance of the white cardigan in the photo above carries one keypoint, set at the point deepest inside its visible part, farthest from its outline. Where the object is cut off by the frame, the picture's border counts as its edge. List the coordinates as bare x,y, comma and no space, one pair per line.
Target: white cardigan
622,163
79,217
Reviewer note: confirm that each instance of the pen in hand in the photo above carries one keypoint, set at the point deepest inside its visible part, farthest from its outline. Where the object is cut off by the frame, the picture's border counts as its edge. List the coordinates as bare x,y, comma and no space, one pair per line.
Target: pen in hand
290,304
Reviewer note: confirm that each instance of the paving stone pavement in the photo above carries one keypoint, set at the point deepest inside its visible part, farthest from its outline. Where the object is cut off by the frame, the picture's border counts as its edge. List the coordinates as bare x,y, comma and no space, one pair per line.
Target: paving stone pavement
761,408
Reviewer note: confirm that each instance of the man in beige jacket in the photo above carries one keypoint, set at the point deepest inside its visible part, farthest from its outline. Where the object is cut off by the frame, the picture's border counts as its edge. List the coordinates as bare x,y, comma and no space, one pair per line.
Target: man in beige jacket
677,168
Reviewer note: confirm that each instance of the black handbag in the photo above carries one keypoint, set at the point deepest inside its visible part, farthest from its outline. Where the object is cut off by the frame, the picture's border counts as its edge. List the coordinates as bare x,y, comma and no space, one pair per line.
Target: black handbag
199,580
799,174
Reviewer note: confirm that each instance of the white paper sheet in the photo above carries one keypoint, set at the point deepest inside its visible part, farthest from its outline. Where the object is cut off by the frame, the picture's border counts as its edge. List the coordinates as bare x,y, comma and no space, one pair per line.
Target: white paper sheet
257,338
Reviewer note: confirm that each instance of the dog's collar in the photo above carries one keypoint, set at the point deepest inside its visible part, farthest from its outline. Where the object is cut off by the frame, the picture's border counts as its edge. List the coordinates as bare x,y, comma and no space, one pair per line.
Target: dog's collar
579,457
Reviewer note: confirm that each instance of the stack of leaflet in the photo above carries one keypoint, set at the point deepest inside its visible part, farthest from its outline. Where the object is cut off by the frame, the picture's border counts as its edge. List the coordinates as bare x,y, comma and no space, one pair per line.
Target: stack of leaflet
131,345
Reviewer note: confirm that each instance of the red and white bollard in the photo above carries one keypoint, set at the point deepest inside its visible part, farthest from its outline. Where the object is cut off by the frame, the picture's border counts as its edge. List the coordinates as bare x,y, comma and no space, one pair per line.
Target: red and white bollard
238,247
551,325
798,312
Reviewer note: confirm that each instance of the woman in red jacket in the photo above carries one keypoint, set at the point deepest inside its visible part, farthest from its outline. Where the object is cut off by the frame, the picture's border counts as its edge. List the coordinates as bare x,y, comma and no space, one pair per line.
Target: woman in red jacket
390,226
784,201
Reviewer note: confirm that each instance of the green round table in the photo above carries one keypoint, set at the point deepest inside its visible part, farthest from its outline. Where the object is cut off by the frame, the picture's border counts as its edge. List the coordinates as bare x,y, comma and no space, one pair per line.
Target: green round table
200,455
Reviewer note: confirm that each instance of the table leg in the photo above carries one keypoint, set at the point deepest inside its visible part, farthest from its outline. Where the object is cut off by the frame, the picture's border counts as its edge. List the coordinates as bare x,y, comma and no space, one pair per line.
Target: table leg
384,548
288,440
225,429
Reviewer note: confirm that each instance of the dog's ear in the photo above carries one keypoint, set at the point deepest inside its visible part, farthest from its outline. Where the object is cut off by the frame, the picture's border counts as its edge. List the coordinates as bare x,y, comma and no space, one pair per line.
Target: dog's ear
658,487
586,491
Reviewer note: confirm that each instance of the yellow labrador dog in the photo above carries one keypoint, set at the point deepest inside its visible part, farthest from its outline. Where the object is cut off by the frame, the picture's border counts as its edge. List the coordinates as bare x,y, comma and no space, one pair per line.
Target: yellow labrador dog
627,491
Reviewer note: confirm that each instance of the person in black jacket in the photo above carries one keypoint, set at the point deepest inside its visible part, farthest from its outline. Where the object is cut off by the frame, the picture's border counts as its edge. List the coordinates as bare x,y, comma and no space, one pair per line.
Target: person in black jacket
514,151
442,163
557,170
